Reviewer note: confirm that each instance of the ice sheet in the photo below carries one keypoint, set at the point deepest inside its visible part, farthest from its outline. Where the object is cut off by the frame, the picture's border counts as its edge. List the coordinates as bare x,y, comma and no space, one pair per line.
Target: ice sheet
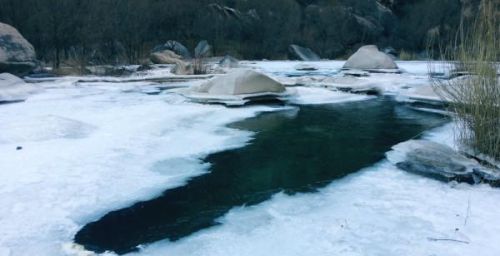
89,149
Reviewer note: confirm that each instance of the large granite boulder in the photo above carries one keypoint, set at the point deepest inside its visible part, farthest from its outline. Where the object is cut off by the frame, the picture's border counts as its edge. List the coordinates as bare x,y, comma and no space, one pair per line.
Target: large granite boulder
440,162
241,81
17,55
14,89
175,47
237,88
369,57
303,53
165,57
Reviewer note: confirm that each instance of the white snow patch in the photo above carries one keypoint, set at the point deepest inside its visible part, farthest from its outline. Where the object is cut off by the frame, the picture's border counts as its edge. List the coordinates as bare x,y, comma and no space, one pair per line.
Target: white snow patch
13,88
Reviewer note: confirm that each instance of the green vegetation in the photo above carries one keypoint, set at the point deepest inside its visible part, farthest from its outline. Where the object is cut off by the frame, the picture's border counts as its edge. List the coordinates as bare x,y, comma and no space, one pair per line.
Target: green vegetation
476,97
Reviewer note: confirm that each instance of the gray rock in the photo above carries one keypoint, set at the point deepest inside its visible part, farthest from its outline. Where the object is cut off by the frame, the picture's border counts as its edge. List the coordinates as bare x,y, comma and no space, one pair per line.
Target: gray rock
202,50
303,53
369,57
237,88
17,55
175,47
440,162
229,62
241,81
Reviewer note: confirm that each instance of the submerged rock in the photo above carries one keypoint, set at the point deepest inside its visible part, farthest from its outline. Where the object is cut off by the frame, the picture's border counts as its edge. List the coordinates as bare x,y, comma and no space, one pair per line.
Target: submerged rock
303,53
237,88
183,68
14,89
369,57
305,67
17,55
440,162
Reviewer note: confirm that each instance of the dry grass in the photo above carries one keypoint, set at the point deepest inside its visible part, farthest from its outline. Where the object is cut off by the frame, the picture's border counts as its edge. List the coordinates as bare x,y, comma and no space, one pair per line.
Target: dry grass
476,97
199,66
404,55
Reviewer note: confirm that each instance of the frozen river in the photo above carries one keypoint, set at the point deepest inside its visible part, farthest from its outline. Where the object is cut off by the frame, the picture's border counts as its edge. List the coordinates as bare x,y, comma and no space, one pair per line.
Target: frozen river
75,152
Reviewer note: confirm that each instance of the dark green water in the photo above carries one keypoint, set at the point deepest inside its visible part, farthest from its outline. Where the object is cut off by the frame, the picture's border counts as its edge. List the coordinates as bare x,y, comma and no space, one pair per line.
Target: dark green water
293,151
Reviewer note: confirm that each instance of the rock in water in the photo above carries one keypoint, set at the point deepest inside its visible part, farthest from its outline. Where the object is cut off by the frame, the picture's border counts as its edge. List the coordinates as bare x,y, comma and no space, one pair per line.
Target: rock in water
14,89
237,88
165,57
241,82
303,53
369,57
441,162
202,50
175,47
17,55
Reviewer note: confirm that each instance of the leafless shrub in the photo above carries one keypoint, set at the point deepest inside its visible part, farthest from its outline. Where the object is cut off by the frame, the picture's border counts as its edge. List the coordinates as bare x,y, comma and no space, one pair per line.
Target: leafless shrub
475,93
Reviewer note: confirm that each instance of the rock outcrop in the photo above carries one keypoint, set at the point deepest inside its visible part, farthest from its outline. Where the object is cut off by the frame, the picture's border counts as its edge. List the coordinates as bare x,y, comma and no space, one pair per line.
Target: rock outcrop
303,53
17,55
14,89
440,162
369,57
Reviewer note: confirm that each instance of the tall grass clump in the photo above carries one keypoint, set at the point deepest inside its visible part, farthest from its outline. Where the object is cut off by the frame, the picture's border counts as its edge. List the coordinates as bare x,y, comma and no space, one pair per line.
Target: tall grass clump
475,95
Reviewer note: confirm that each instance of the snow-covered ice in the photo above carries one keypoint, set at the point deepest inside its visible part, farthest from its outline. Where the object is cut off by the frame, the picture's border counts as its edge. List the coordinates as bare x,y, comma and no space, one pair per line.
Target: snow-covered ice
89,148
